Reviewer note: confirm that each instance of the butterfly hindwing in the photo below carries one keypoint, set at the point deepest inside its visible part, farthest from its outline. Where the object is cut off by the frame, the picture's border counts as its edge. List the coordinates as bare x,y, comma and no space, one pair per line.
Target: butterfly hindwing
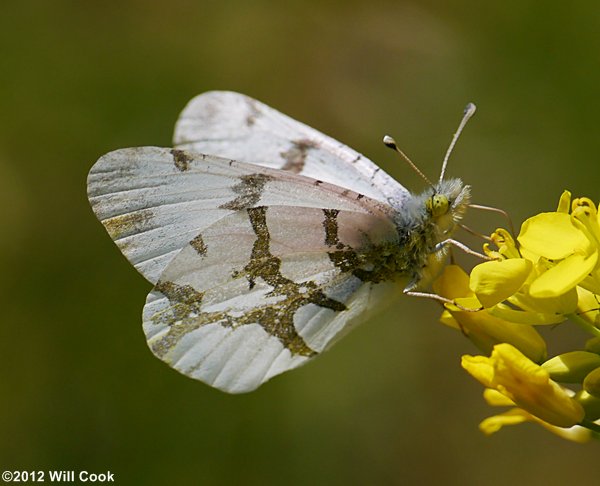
263,290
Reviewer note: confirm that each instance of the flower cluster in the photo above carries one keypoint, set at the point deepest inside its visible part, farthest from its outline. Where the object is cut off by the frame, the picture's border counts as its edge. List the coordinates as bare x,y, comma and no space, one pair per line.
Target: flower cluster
549,275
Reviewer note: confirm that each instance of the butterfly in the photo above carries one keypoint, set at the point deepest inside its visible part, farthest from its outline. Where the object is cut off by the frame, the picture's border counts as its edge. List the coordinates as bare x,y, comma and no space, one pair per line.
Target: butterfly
265,240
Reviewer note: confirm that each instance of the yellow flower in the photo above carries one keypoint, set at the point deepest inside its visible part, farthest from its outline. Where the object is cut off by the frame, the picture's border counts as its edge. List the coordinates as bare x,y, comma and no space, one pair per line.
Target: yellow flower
554,274
516,416
550,274
508,279
482,328
525,384
568,244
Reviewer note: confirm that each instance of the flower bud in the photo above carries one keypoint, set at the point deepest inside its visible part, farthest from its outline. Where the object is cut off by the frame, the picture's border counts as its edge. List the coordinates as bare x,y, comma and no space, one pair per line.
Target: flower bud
591,383
590,404
593,345
572,367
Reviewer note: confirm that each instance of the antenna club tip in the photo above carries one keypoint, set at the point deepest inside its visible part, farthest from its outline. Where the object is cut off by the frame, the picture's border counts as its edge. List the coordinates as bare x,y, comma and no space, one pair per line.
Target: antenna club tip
470,109
390,142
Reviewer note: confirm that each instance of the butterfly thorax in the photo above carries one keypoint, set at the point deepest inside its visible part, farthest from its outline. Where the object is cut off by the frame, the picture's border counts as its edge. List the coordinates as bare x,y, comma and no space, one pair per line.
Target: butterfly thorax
423,223
412,257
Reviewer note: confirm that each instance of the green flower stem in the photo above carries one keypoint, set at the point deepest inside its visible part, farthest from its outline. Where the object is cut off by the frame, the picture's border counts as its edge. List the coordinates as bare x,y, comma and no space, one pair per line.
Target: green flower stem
585,325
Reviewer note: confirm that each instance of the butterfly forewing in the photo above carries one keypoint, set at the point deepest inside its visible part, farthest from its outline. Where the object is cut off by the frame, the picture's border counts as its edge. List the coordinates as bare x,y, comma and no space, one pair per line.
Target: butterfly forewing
153,201
236,126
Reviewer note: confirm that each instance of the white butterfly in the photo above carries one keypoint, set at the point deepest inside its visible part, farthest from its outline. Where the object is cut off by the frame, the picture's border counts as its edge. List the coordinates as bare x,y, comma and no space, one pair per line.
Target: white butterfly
263,256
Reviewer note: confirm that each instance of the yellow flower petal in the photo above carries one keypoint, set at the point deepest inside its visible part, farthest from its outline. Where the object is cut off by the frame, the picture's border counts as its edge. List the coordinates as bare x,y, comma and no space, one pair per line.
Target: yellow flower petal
553,307
452,283
481,368
494,423
528,385
483,329
496,399
564,204
574,434
529,318
551,235
588,306
592,282
529,255
447,319
470,303
486,331
564,276
495,281
517,416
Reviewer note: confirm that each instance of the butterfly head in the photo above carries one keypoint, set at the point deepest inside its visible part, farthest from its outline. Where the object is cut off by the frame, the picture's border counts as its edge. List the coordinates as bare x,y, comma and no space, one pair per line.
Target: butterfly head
448,203
437,205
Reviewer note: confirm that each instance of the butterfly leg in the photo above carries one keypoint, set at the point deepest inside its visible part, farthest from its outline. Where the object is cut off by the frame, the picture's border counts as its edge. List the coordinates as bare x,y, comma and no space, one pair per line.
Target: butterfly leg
439,298
443,244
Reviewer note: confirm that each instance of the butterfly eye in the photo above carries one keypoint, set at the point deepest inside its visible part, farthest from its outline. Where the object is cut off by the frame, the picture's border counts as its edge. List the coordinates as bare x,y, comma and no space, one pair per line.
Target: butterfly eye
437,205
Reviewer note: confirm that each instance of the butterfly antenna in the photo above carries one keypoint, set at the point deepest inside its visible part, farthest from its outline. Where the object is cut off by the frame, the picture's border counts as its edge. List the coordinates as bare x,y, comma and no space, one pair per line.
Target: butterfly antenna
469,111
391,143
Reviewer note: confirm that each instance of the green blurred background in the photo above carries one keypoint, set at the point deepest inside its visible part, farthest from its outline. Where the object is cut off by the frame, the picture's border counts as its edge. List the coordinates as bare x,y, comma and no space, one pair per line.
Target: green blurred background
389,404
